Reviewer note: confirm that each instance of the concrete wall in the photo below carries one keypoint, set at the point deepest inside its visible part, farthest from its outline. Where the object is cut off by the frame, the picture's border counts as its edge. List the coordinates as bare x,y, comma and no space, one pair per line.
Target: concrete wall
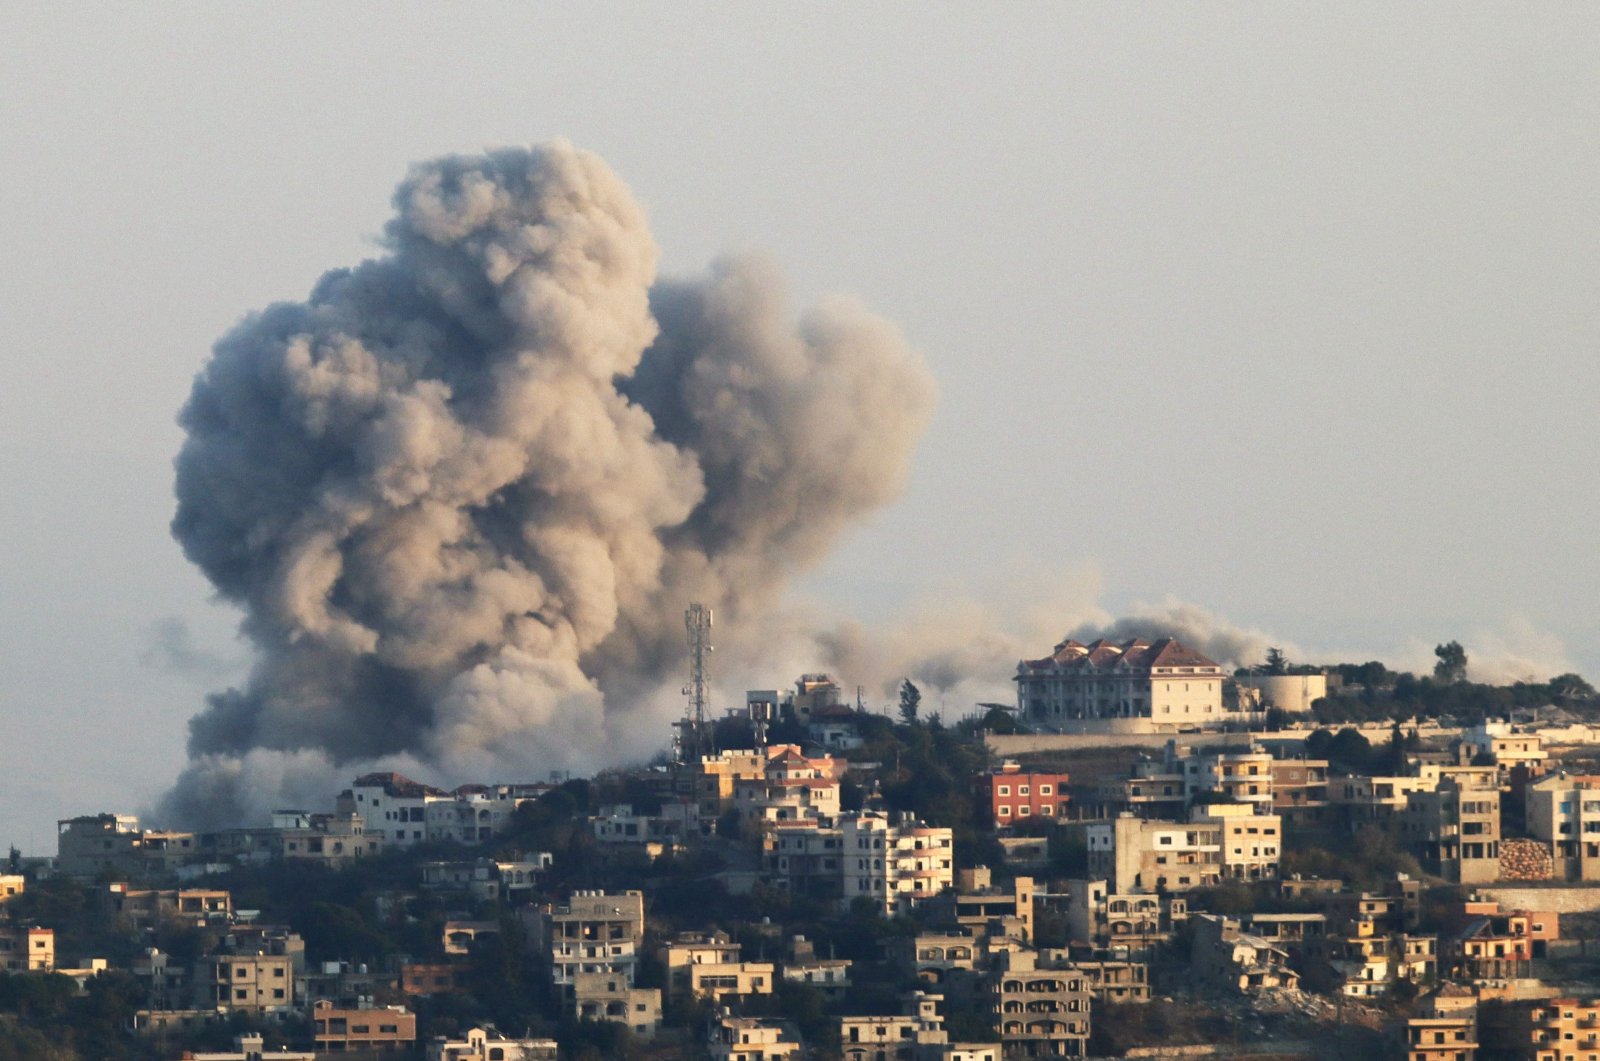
1569,900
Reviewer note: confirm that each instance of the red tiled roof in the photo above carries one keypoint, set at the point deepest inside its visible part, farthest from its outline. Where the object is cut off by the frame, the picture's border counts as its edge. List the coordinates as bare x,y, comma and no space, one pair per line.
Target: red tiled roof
1135,653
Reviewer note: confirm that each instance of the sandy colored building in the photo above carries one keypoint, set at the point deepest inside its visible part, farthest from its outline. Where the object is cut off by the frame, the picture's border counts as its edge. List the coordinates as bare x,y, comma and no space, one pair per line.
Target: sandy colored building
1164,681
379,1029
27,948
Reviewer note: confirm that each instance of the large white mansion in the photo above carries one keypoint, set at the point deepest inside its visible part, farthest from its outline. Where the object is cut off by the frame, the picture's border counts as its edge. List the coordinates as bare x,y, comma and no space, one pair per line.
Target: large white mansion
1164,681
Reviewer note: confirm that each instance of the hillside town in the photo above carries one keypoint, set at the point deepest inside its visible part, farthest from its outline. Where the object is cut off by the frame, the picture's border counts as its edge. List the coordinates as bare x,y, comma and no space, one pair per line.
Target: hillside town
1146,855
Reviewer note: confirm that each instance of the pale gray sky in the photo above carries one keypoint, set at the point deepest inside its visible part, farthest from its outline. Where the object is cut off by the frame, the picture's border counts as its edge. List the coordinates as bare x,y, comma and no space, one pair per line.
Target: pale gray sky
1286,310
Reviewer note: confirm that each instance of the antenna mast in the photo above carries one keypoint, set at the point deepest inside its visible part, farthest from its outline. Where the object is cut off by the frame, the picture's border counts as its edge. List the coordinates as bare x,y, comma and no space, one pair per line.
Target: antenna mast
692,740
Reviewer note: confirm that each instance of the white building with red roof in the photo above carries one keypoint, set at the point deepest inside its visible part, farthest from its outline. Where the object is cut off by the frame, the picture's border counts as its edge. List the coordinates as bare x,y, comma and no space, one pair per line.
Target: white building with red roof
1164,684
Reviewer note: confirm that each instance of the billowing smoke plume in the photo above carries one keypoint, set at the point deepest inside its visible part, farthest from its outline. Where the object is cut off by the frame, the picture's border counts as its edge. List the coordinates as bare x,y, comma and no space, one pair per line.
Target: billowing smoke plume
464,491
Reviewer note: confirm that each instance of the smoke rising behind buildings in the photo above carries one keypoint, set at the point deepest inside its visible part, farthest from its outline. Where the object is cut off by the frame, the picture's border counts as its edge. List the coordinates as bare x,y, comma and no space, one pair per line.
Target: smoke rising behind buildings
464,490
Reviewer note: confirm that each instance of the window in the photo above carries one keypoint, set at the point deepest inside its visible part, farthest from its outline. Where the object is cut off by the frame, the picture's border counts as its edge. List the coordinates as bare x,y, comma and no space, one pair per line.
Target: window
1004,790
1022,790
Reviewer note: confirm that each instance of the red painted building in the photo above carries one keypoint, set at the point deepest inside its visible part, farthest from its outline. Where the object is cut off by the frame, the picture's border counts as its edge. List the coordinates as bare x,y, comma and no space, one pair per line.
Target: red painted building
1015,795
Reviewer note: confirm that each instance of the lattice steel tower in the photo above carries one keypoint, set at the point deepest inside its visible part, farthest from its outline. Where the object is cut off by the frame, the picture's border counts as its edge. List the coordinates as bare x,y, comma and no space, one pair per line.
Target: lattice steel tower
693,734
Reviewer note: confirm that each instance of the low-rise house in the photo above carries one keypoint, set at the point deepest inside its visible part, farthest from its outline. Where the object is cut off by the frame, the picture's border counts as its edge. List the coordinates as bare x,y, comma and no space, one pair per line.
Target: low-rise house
753,1039
1109,981
830,976
914,1034
393,804
1285,930
1366,961
27,948
702,966
424,979
487,1044
372,1029
250,1046
347,985
12,885
147,907
458,937
609,996
936,955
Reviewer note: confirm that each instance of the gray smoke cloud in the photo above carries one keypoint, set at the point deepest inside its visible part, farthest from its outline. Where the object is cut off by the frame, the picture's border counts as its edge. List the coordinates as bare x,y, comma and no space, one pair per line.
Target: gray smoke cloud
464,491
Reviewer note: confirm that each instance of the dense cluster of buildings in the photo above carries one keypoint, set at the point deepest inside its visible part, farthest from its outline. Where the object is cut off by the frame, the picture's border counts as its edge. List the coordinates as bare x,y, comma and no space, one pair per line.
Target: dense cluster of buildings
1034,941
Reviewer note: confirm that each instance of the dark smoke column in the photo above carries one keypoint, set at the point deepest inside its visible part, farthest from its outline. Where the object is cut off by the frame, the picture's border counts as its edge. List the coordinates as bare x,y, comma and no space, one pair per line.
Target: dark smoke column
464,491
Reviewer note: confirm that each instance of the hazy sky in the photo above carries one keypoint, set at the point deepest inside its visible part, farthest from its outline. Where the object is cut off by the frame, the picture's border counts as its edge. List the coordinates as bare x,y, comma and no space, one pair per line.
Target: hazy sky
1285,310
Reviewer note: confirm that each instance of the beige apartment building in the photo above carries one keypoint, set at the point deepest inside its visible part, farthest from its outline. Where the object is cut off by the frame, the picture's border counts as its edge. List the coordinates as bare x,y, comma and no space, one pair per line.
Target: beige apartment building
1133,855
1563,810
1040,1012
1442,1038
1553,1029
1456,830
913,1035
982,908
592,932
1165,682
249,983
611,997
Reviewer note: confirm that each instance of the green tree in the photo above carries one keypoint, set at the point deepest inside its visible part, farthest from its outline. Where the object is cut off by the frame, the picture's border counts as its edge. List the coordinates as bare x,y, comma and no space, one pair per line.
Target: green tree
1452,665
1277,662
910,701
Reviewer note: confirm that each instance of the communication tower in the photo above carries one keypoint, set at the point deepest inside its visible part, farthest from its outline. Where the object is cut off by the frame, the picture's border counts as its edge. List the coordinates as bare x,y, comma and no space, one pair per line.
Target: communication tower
693,737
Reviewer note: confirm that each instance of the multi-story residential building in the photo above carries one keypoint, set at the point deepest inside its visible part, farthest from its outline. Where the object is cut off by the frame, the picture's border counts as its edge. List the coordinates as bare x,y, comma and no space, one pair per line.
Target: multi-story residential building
1012,794
1456,830
792,787
487,1044
654,834
95,844
916,1033
896,864
592,932
983,908
1359,799
1040,1012
1563,810
1109,981
1165,683
1300,790
1133,855
249,983
12,885
392,803
1251,842
1452,1038
373,1030
753,1039
1504,745
166,979
609,996
805,857
1132,923
27,948
690,949
1549,1029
